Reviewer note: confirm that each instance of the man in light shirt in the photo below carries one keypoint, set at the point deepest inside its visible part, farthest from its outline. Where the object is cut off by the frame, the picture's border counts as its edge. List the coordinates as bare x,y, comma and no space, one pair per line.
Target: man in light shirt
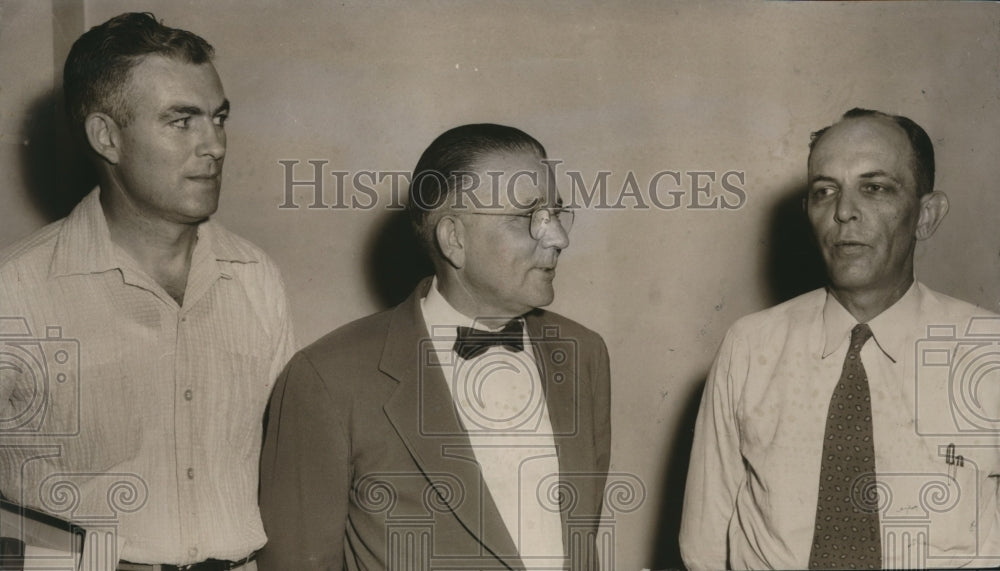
854,426
464,428
140,338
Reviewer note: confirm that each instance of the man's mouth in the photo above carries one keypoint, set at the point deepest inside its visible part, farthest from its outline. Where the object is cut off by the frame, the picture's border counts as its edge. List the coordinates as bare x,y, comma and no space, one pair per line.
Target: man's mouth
849,246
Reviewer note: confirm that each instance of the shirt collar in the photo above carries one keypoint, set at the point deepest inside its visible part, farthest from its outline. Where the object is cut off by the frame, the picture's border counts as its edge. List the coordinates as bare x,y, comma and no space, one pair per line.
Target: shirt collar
443,319
84,243
889,328
223,246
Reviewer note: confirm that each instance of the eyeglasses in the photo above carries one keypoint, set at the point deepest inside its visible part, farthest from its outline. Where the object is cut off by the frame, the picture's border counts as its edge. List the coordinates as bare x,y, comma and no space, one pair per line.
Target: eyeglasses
540,219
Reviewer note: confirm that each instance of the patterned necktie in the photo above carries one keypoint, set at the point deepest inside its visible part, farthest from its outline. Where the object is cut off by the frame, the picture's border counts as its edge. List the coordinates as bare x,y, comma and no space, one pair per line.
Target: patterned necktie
847,533
471,343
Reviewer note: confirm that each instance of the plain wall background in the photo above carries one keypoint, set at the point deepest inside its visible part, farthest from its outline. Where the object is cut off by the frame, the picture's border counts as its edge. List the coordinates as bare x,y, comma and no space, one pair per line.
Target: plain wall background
628,86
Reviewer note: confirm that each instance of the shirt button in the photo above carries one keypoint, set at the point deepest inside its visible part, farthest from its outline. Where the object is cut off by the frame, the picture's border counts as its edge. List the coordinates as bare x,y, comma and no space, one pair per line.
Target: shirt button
188,394
193,552
190,473
183,319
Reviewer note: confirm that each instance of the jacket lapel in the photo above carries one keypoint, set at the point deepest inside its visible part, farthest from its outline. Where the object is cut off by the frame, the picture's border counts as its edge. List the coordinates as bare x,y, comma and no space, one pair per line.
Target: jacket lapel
558,363
423,413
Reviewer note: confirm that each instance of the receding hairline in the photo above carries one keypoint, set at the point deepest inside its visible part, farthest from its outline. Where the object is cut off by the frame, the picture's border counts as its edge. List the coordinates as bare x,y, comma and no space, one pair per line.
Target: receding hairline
922,166
880,118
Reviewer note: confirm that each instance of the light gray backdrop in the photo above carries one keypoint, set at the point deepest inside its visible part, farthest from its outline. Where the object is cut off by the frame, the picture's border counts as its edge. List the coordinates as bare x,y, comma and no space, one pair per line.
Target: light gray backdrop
624,87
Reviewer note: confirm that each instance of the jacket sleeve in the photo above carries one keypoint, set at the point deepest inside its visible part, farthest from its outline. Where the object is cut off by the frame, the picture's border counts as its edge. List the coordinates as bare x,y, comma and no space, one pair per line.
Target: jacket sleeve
602,408
716,470
305,474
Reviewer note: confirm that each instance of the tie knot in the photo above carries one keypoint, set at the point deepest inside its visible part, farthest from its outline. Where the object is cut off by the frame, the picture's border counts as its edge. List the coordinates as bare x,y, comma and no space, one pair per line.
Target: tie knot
470,342
860,335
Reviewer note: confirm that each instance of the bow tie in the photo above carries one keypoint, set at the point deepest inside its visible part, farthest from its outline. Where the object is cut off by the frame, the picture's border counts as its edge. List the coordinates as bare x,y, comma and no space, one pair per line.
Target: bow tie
470,343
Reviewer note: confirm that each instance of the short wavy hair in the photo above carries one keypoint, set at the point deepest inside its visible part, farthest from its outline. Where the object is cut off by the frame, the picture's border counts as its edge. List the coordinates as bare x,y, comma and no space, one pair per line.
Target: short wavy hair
97,70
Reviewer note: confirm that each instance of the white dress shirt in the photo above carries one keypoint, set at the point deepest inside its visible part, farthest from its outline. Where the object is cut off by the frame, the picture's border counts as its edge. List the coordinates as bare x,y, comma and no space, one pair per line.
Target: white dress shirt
932,367
502,407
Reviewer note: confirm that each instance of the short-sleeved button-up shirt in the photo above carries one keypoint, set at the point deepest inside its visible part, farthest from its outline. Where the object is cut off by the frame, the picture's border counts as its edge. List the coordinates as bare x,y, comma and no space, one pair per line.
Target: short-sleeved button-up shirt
120,409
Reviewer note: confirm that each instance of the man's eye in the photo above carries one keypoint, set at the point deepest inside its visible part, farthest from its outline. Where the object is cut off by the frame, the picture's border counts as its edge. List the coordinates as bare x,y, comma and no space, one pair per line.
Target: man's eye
822,191
181,123
875,187
220,120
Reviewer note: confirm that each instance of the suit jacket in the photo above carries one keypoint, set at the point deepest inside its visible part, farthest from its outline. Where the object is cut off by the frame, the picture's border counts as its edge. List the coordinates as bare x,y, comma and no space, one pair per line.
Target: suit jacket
366,465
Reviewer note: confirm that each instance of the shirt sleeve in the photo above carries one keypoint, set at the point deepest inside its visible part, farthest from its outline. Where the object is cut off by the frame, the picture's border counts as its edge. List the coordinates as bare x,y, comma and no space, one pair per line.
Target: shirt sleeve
305,474
284,346
12,379
716,469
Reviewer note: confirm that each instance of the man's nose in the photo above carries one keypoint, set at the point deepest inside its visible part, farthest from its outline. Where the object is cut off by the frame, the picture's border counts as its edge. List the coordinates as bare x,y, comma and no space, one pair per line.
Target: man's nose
846,206
554,235
213,141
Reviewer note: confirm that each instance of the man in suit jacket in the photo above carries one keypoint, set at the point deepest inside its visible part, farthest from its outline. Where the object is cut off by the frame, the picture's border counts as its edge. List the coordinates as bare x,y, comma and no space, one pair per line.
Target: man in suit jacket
464,428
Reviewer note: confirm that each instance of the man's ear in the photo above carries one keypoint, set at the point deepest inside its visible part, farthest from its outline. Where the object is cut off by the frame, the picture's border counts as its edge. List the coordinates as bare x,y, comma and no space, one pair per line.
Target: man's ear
933,208
449,233
103,136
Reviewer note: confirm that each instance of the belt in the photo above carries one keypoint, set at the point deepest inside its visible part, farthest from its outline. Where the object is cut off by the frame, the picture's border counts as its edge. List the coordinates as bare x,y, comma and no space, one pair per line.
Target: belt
206,565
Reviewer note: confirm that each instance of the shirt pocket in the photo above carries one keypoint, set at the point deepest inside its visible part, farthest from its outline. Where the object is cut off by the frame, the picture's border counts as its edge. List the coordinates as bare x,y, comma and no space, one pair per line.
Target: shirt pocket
937,507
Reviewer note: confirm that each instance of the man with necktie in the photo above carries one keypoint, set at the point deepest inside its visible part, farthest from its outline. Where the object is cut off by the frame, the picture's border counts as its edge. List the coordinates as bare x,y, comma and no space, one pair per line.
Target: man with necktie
855,426
464,427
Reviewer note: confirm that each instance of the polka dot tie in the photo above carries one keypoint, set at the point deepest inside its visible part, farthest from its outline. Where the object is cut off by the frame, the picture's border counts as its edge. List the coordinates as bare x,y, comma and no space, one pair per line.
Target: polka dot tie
847,533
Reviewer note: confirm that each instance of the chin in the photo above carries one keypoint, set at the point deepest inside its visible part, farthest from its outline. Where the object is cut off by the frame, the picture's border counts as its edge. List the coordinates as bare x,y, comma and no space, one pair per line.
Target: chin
202,209
543,298
200,216
851,282
849,275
